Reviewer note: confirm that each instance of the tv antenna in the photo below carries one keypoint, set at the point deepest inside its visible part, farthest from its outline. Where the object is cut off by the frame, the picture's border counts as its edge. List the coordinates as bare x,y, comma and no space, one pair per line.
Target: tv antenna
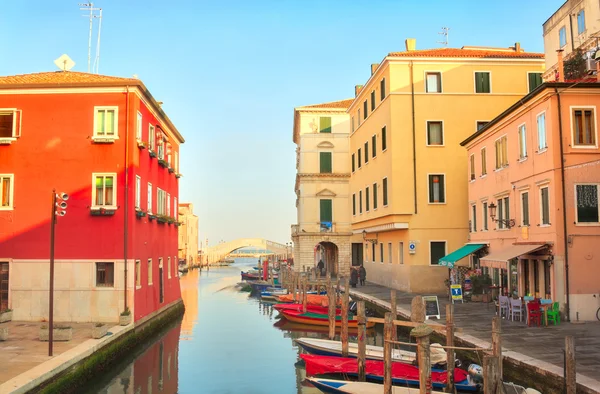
444,33
64,63
94,13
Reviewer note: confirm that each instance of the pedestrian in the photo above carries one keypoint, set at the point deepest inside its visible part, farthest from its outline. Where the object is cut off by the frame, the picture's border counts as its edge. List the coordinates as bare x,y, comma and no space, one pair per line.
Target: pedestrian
353,277
362,274
321,267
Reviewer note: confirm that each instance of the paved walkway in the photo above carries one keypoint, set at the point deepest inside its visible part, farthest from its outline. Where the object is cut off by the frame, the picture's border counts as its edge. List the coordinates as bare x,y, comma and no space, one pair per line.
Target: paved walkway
539,346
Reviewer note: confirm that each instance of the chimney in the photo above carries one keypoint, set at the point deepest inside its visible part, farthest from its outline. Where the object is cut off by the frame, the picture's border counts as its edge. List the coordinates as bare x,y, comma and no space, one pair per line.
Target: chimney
374,67
518,47
411,44
357,89
561,66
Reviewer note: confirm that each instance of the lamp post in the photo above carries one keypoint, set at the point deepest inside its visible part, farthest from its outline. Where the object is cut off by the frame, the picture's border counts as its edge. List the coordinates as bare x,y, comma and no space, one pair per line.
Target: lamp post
507,222
59,208
364,233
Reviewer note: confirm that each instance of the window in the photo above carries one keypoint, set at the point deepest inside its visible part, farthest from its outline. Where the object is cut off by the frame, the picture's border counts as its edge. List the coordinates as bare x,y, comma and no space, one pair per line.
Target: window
381,252
584,127
375,196
105,122
541,131
484,212
534,80
581,22
325,163
169,267
160,146
138,131
151,137
359,159
401,253
149,198
481,124
390,252
105,274
6,191
383,139
435,133
472,167
367,196
326,213
365,110
138,274
149,271
562,36
482,82
353,124
501,153
353,162
168,204
437,250
503,211
374,146
437,192
325,124
360,201
373,248
385,192
161,201
354,204
8,123
372,101
138,191
522,142
175,208
366,152
382,89
545,206
359,116
525,209
483,162
433,82
587,203
474,218
104,193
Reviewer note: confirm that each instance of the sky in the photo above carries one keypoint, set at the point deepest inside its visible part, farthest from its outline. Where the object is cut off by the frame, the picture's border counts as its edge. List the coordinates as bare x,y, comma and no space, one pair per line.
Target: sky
231,72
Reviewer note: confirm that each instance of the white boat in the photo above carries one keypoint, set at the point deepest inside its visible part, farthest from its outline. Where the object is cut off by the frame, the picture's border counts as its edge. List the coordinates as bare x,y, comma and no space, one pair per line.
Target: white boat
326,347
347,387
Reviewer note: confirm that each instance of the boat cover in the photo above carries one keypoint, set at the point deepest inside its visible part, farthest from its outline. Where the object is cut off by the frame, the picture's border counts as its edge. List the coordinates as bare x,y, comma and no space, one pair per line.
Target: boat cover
320,365
311,299
309,308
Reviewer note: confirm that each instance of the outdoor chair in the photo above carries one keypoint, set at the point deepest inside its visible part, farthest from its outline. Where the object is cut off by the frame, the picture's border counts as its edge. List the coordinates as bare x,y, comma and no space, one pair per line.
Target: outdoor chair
534,313
516,308
554,314
504,306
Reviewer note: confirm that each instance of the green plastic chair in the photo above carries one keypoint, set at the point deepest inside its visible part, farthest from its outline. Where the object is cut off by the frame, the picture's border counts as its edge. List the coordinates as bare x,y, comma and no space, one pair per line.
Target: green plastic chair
554,314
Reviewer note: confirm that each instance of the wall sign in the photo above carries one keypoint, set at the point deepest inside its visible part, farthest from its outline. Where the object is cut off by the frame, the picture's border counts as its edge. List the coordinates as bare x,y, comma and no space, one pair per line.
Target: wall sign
412,247
432,307
457,294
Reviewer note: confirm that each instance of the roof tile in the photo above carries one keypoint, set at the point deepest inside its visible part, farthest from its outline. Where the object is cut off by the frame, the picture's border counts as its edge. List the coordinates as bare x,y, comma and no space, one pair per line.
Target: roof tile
61,77
469,53
343,104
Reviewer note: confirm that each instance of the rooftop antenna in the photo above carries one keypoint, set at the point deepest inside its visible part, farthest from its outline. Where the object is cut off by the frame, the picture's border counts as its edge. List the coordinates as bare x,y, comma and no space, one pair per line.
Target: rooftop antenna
90,7
64,63
444,33
97,60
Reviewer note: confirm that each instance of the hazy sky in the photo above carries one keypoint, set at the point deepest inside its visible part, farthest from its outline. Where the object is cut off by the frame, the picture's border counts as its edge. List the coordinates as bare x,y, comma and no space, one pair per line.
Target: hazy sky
231,72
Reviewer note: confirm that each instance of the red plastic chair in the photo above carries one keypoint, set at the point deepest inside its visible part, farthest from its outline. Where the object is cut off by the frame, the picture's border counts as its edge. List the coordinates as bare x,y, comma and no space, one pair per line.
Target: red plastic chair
535,313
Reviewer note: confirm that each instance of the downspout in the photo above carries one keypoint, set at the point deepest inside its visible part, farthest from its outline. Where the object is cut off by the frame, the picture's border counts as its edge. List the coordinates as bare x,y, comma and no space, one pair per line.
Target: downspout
126,221
564,206
414,143
572,36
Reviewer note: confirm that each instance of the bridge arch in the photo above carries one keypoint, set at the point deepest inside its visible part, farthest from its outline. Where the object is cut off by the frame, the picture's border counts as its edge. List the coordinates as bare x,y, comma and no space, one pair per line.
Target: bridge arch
218,252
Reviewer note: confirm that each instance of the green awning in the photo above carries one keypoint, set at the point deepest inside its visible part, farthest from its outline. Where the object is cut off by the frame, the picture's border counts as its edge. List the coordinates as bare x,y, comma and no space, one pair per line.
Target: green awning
461,253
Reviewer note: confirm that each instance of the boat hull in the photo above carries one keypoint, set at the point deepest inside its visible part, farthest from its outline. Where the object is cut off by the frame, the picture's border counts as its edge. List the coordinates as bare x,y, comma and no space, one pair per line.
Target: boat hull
332,386
323,320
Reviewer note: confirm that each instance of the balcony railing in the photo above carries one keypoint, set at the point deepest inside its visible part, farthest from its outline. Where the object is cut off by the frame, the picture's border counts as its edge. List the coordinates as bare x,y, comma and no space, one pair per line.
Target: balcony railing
327,227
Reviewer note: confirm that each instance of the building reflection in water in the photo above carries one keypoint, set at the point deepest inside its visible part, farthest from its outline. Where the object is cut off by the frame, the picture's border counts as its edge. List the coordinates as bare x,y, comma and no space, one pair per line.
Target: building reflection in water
189,293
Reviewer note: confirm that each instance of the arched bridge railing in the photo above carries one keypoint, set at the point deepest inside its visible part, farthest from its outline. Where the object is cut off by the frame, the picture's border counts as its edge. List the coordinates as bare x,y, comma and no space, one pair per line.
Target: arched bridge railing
218,252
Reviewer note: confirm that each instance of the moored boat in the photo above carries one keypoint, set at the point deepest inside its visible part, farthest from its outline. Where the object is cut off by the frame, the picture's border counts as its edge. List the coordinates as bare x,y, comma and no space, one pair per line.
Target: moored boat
332,386
309,308
320,319
311,299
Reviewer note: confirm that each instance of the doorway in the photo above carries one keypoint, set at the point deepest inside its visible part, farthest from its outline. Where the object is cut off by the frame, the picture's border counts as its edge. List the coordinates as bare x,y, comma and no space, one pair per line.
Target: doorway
3,286
357,254
161,285
328,252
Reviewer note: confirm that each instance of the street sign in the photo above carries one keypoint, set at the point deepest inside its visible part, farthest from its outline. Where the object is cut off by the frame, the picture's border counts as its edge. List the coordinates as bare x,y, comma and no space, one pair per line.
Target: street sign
457,294
412,247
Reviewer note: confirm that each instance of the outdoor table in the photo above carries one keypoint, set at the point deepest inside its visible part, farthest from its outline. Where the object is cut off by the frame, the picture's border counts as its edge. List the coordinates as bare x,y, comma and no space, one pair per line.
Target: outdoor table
545,307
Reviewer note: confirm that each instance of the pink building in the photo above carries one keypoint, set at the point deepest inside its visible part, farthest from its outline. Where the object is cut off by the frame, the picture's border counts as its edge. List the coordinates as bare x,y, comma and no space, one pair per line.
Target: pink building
533,193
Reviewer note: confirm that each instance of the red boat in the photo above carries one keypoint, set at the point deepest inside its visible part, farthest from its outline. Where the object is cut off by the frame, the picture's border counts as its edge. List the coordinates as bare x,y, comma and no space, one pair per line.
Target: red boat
319,319
309,308
249,276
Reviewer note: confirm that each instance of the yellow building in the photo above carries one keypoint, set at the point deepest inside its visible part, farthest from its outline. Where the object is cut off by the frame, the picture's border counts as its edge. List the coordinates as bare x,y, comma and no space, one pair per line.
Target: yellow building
188,234
408,184
323,229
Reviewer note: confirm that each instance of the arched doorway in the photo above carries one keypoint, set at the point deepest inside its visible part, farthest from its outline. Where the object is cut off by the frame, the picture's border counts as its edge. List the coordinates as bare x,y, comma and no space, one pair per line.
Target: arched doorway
328,252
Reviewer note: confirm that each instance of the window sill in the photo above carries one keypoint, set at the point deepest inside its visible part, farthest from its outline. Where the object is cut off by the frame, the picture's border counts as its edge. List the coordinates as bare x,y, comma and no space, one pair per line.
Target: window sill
543,150
104,140
138,287
522,159
472,180
585,147
104,288
436,146
483,176
103,211
502,229
6,208
141,144
544,225
590,224
437,203
7,140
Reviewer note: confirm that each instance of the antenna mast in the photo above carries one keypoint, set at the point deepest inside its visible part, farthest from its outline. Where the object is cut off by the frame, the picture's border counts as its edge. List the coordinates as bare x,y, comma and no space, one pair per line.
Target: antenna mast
97,61
444,33
90,7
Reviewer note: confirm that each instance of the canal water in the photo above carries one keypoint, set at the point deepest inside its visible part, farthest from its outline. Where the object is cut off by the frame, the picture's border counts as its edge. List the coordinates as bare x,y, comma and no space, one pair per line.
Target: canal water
226,343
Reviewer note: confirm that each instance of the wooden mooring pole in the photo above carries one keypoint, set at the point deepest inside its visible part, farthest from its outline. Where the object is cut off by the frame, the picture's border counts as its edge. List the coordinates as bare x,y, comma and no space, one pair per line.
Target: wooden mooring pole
394,311
304,300
497,342
388,330
362,337
450,351
570,370
332,305
490,374
345,302
422,334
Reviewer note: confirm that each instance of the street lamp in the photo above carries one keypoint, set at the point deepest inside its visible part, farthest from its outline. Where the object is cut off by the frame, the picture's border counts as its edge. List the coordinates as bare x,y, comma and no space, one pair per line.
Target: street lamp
507,222
373,241
59,208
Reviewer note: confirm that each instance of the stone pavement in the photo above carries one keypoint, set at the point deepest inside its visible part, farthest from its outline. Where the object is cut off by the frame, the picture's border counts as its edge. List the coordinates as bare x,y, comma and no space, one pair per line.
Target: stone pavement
540,346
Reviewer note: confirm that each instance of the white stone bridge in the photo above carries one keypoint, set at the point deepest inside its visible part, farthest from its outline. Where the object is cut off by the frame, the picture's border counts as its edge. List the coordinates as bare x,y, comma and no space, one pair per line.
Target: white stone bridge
218,252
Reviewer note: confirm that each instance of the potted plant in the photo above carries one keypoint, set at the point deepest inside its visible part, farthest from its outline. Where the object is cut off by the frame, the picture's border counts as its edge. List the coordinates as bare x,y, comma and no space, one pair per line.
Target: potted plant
178,175
6,315
139,213
3,333
161,219
151,153
171,170
99,330
141,144
163,163
151,216
59,333
125,318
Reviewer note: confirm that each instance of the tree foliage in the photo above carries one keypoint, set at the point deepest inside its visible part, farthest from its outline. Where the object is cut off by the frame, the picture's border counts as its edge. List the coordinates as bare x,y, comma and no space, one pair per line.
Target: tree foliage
575,66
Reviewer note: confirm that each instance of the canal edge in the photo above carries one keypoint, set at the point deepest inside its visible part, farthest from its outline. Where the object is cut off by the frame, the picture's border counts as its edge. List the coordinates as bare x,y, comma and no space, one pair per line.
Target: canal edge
69,370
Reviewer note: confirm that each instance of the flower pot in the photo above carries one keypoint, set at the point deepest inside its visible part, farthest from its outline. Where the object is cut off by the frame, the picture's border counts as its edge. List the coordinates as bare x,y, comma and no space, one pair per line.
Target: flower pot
58,334
151,153
99,331
5,316
140,214
3,333
125,320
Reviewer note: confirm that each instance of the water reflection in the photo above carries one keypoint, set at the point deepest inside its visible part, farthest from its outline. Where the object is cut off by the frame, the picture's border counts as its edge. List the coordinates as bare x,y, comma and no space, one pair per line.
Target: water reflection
189,293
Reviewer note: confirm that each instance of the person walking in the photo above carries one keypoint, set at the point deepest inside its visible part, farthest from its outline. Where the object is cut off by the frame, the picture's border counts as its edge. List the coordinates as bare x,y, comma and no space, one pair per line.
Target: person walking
321,267
362,274
353,277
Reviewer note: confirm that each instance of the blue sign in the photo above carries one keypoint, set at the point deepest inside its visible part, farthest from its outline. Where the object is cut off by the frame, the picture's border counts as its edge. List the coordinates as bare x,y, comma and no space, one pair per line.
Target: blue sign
456,291
412,247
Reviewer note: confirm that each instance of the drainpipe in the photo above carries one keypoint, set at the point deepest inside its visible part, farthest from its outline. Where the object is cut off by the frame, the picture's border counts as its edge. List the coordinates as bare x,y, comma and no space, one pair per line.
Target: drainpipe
126,220
572,36
564,205
414,143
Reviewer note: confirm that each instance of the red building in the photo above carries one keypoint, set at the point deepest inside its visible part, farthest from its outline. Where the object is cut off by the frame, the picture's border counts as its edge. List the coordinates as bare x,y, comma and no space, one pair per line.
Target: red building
106,142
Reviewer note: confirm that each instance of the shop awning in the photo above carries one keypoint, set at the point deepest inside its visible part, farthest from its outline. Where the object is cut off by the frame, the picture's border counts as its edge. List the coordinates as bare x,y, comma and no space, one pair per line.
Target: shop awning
461,253
500,258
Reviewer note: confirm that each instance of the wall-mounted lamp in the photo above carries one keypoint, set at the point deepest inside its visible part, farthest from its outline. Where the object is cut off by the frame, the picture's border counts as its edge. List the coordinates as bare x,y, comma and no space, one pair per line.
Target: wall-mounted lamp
373,241
507,222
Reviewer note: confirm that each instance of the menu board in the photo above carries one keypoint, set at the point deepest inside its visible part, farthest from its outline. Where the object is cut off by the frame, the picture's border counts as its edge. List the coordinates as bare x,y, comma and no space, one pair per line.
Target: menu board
432,307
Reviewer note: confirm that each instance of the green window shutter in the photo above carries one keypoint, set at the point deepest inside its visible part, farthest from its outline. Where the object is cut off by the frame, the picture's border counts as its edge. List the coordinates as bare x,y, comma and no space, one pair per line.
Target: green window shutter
383,138
374,196
353,163
525,200
366,152
326,210
325,124
354,204
385,192
535,80
367,196
374,145
365,110
325,162
486,83
482,82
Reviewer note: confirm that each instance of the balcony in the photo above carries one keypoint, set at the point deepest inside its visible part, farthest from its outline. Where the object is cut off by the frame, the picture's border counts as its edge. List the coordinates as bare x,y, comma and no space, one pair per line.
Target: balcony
320,227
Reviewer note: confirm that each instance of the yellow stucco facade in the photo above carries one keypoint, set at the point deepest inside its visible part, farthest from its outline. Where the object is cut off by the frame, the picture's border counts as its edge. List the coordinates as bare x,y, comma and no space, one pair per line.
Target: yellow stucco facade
420,105
188,234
